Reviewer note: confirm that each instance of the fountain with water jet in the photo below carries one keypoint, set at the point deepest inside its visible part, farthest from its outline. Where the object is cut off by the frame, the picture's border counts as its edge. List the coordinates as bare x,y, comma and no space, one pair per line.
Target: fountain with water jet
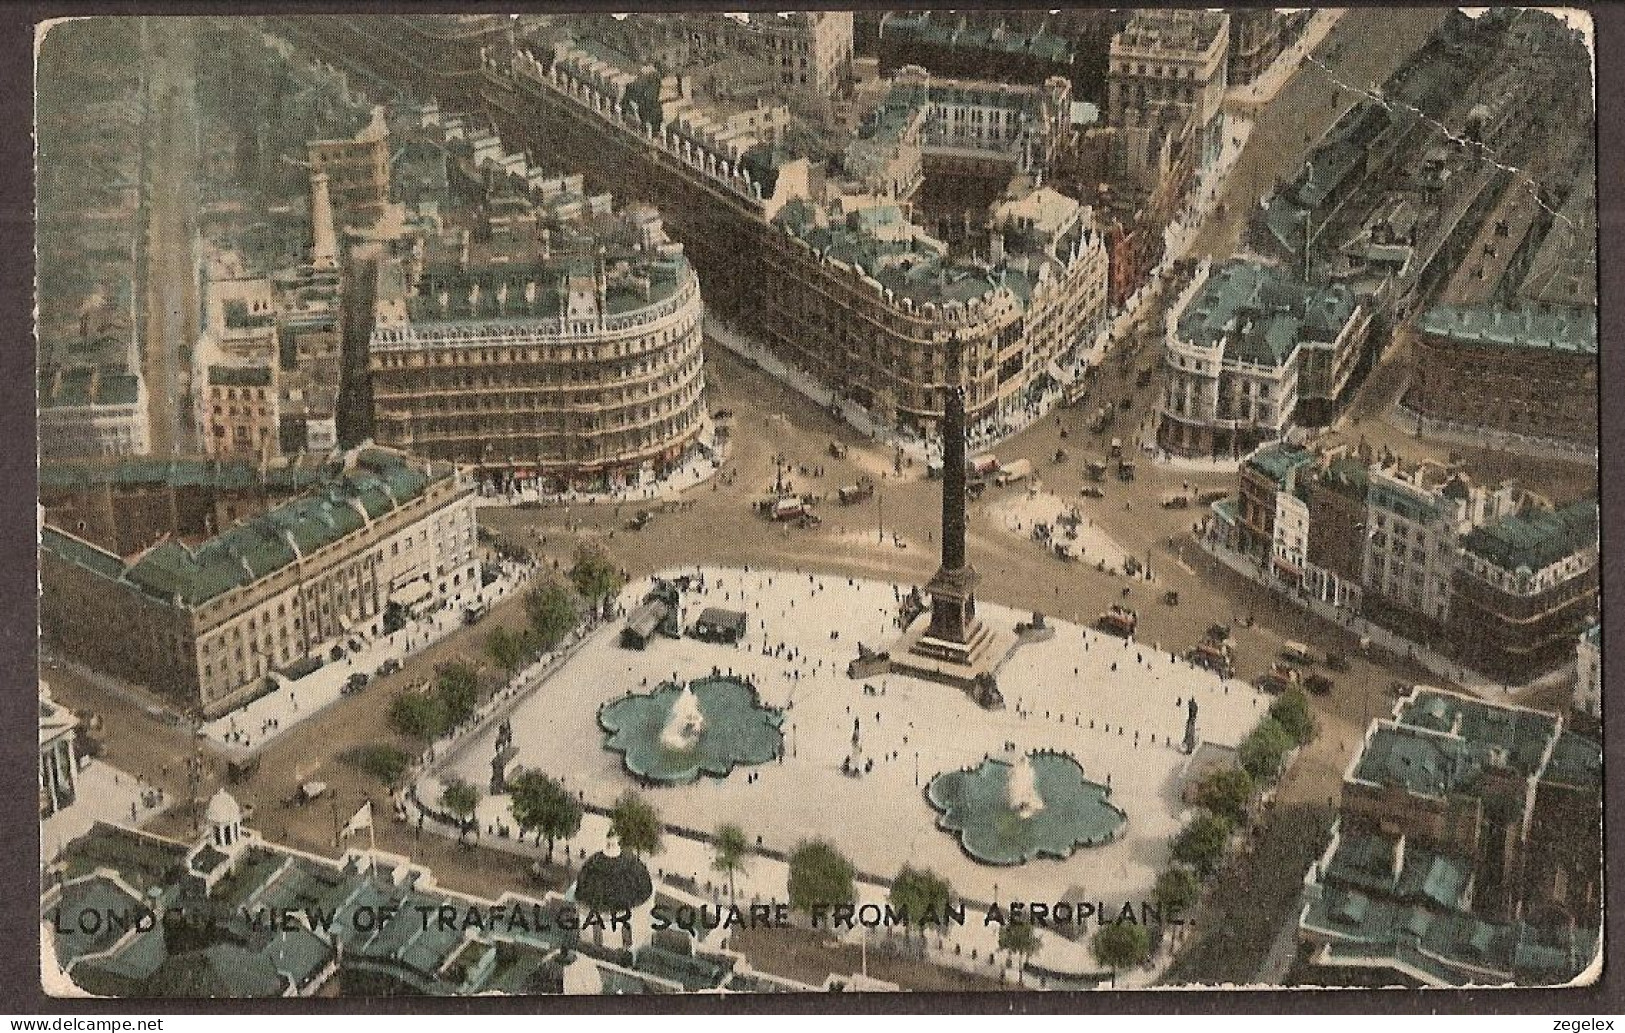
677,733
1011,812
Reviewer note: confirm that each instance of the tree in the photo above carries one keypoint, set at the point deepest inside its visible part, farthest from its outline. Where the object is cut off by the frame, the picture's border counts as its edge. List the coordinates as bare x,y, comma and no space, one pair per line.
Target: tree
820,876
1291,711
1021,939
383,761
460,798
506,649
1122,945
552,613
421,715
595,575
1201,843
636,824
458,686
1264,748
1226,792
921,895
730,845
1177,890
542,805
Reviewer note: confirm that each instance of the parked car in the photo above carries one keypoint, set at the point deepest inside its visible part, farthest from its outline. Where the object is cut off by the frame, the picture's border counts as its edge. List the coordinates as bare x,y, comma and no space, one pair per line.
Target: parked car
1298,653
1319,684
1089,491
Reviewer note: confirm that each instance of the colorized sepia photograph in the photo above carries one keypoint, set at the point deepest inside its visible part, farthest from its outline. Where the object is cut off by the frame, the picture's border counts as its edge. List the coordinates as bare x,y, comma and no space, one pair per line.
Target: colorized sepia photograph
1147,457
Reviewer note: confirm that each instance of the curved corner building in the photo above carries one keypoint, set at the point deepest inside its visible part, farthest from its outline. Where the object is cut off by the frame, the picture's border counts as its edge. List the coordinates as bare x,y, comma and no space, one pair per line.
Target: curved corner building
575,365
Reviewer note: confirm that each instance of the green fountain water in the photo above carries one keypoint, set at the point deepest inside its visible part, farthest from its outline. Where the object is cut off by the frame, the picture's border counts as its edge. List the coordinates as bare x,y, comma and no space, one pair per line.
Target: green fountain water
1040,806
677,733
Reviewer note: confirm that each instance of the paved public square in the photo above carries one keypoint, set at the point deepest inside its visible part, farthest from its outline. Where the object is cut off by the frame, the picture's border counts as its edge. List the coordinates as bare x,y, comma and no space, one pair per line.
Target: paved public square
1118,706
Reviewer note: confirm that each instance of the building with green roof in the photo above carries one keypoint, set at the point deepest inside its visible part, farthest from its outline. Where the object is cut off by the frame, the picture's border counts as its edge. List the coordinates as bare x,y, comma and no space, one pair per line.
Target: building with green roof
89,410
1532,370
1525,587
547,339
207,619
1467,845
1254,351
128,914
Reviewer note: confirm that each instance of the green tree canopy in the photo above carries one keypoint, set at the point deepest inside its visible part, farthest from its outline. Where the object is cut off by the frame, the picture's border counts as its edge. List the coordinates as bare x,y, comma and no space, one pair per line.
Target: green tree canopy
383,761
730,846
506,649
551,612
460,798
1264,748
458,686
1122,945
1291,710
1226,791
1177,890
920,893
541,805
820,876
636,824
594,574
421,715
1202,841
1018,938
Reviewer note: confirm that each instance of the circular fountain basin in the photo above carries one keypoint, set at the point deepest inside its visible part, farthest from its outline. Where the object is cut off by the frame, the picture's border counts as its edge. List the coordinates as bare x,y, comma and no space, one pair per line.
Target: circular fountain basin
736,729
976,805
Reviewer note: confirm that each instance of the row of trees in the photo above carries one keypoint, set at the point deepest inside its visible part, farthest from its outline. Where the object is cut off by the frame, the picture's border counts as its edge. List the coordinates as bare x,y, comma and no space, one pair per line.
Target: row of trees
552,611
820,876
1225,797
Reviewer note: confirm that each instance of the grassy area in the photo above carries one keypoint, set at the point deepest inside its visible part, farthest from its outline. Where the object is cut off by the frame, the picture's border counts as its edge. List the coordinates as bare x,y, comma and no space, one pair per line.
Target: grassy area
382,761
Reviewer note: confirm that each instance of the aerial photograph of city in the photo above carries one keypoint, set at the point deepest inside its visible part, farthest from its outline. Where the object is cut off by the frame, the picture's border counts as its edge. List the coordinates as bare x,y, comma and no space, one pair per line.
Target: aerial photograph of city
1147,457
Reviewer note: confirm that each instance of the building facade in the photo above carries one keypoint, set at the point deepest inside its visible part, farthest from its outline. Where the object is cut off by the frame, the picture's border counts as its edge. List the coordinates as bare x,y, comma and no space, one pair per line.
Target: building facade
1335,503
241,412
1588,673
1532,371
1171,59
1248,353
811,51
1465,851
207,623
58,759
356,171
1525,587
90,411
1418,515
580,367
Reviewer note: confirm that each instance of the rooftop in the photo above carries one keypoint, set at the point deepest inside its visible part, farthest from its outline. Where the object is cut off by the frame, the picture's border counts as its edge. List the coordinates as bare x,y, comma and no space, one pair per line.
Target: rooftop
240,376
89,385
1487,731
1277,460
1261,315
1549,328
250,550
1535,540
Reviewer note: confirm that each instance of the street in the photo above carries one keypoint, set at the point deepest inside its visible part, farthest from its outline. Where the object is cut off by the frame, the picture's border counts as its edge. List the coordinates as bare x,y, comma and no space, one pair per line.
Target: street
169,328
